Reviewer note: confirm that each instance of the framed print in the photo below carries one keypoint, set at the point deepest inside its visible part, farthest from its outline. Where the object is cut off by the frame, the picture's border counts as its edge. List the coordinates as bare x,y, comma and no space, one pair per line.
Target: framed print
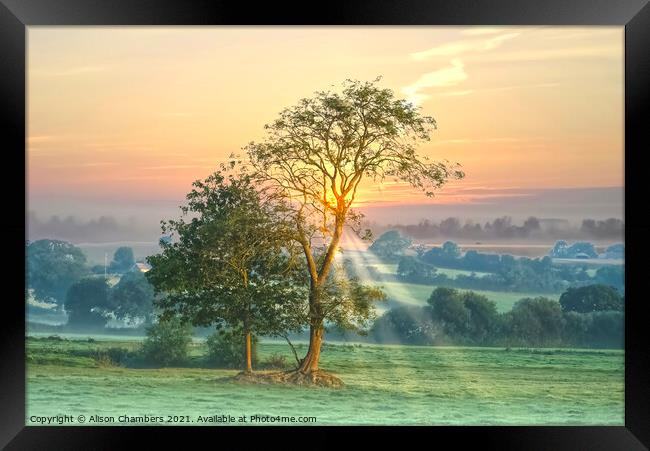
384,214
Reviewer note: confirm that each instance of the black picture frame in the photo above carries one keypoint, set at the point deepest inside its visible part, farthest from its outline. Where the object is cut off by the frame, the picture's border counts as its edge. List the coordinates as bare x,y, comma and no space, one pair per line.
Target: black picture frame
634,15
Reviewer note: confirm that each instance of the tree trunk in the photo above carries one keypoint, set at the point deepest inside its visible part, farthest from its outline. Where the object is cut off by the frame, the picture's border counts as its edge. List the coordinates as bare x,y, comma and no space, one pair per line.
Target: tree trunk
310,362
318,279
249,362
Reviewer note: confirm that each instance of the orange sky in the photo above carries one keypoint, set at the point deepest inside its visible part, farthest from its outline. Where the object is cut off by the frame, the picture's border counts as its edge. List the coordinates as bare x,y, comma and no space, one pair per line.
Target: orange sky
139,113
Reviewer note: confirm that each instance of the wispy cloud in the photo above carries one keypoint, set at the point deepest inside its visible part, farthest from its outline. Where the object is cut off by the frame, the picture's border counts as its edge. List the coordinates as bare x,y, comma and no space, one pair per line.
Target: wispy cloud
463,46
494,89
445,77
572,53
479,31
457,93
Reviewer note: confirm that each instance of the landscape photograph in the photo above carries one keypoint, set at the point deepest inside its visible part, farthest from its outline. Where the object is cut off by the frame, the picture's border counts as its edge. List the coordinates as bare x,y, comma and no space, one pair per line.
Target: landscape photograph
379,225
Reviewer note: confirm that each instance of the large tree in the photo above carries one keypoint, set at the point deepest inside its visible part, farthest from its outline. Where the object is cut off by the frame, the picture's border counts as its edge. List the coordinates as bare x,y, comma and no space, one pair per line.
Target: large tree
317,153
230,262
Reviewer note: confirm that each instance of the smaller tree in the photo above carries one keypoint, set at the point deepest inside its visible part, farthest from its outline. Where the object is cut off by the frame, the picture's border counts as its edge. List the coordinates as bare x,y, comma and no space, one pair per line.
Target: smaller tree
391,244
413,270
535,322
123,259
232,264
591,298
448,308
451,250
87,302
167,342
483,317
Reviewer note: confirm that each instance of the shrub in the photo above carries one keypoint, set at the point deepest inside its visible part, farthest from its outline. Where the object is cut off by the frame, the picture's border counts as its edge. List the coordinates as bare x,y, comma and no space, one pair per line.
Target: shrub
226,349
110,356
591,298
276,361
167,342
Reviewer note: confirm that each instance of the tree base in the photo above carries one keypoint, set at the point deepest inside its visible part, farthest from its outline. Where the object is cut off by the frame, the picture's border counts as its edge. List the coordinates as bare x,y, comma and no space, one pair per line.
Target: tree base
318,378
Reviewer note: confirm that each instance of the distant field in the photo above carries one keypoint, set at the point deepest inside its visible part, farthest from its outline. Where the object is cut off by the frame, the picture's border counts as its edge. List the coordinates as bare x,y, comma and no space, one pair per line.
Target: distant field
384,385
391,268
416,294
452,273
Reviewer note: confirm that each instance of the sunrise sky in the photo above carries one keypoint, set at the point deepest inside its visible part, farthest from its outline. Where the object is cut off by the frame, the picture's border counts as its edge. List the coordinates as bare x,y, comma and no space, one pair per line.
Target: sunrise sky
124,117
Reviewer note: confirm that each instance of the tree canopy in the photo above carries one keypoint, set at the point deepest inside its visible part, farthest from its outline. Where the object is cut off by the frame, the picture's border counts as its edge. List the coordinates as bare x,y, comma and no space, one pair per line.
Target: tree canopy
87,302
316,155
52,267
123,259
591,298
230,261
131,299
390,244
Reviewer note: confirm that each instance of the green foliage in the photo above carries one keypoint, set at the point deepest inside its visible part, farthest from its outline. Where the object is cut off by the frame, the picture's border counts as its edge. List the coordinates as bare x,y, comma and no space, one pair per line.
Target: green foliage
408,325
52,267
468,318
226,349
450,249
233,263
448,308
87,302
347,303
114,356
123,259
591,298
484,320
132,298
391,244
414,270
167,342
536,322
317,153
276,361
607,329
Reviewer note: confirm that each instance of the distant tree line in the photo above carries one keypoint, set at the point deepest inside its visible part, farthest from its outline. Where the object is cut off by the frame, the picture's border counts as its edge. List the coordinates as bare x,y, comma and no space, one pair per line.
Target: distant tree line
506,273
504,228
590,316
58,276
101,229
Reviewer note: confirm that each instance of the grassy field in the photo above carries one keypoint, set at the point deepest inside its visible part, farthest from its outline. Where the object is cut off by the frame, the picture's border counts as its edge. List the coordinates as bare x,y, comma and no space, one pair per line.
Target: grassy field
416,294
391,269
384,385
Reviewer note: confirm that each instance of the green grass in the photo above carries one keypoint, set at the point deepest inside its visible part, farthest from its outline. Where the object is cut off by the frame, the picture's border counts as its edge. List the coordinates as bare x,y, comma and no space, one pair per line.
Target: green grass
384,385
416,294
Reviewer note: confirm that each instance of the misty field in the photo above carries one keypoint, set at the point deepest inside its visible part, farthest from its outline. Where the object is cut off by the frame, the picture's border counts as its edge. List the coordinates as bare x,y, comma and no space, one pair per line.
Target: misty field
384,385
417,294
